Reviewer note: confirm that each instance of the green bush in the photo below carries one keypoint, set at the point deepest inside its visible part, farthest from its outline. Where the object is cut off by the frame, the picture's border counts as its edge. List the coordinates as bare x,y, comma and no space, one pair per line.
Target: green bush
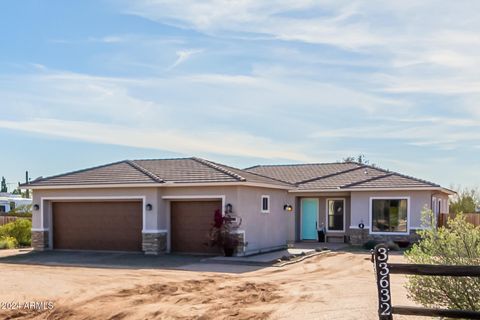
456,244
8,243
20,229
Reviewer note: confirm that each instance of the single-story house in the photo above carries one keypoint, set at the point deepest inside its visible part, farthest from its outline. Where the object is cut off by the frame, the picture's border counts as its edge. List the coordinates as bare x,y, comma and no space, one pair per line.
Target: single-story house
9,201
168,205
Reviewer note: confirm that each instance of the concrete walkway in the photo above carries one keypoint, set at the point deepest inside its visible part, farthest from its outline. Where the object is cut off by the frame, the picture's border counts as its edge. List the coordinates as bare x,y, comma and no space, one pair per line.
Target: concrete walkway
267,259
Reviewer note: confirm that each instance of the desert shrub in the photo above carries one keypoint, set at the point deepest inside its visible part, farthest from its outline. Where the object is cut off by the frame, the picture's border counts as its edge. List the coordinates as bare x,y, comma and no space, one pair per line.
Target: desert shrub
456,244
20,229
370,244
403,243
393,246
7,242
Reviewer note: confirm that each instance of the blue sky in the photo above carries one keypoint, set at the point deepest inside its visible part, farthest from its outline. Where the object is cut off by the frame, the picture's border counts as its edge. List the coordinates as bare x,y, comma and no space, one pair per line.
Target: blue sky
247,82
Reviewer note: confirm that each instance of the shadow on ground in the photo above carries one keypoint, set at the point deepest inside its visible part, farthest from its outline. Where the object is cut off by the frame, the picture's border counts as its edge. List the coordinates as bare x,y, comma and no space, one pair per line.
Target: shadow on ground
118,260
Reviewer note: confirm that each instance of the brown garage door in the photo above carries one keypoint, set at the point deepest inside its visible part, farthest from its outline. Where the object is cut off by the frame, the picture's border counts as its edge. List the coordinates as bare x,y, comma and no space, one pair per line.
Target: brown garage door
97,225
190,223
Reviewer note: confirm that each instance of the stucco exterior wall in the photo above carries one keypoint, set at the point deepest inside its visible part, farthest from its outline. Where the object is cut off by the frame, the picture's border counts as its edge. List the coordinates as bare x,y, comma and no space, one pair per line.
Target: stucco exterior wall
262,230
440,203
150,194
360,205
265,230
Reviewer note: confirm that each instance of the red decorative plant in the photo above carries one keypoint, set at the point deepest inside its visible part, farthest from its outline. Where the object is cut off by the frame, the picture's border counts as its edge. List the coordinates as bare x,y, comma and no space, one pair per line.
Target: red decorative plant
220,234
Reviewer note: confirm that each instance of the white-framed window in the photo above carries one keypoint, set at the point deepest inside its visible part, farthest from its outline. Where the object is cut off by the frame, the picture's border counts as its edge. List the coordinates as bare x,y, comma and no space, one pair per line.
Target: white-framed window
389,215
265,204
336,215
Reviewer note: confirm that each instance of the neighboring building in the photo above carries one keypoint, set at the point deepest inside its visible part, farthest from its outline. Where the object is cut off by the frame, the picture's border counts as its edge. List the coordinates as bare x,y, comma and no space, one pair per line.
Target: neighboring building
10,201
159,206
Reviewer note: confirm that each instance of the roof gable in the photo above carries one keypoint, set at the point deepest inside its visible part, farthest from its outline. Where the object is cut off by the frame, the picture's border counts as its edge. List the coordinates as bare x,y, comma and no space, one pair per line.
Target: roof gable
337,176
155,171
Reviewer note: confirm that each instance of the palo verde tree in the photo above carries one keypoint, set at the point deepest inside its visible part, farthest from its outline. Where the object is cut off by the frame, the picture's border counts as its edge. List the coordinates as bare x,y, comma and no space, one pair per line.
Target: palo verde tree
456,244
466,201
361,158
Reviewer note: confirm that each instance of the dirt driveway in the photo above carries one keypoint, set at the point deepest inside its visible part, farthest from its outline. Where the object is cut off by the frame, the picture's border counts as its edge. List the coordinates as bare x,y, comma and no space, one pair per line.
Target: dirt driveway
334,286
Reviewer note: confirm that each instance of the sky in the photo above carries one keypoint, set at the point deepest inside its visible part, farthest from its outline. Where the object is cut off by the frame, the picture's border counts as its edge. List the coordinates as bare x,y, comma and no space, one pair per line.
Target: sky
84,83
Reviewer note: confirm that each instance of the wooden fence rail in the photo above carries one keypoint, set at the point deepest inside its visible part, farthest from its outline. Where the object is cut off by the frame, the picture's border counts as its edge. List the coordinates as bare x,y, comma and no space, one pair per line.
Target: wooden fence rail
383,269
473,218
7,219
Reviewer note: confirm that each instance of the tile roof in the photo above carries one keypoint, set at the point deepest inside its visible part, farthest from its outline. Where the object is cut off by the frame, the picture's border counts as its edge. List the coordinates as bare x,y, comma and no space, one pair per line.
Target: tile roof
182,170
337,176
121,172
322,176
343,179
300,172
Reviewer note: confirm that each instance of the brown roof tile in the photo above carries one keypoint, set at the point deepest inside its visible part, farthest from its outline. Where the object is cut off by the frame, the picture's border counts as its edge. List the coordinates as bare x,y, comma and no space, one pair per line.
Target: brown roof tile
329,176
113,173
336,176
183,170
394,180
340,180
300,172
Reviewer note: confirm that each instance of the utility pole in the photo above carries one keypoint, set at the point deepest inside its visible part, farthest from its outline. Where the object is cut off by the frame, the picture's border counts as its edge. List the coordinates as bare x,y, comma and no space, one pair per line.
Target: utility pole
27,192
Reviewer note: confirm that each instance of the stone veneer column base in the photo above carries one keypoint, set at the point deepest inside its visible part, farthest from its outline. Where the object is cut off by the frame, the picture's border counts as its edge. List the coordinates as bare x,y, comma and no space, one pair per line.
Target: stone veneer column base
240,237
40,240
359,237
154,243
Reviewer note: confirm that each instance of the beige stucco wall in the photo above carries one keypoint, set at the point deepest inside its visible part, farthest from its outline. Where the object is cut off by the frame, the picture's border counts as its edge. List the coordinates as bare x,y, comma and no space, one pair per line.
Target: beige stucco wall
265,230
445,205
262,230
360,205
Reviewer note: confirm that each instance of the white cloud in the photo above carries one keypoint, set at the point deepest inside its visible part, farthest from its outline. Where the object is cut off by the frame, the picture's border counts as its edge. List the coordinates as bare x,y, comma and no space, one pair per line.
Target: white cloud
195,143
182,56
421,46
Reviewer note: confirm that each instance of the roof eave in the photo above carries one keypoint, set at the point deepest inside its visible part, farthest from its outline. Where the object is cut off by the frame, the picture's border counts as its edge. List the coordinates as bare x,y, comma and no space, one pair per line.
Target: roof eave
156,185
447,191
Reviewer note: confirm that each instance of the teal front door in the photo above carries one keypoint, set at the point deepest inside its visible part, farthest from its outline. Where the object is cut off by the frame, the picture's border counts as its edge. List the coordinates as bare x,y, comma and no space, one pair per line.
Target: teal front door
309,219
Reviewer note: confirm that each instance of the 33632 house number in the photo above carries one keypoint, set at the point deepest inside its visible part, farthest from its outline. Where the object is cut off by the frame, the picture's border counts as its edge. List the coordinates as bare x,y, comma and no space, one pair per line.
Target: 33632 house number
383,282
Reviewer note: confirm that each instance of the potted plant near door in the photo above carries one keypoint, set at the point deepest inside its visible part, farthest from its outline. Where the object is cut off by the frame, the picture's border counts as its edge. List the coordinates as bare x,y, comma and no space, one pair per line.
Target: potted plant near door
221,234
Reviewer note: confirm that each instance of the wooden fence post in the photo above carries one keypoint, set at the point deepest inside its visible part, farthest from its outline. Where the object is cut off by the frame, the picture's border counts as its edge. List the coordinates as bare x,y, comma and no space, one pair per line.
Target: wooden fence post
380,258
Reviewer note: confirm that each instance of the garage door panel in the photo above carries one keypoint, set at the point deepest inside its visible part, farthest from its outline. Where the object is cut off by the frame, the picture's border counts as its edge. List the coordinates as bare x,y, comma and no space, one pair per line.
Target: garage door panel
97,225
190,223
